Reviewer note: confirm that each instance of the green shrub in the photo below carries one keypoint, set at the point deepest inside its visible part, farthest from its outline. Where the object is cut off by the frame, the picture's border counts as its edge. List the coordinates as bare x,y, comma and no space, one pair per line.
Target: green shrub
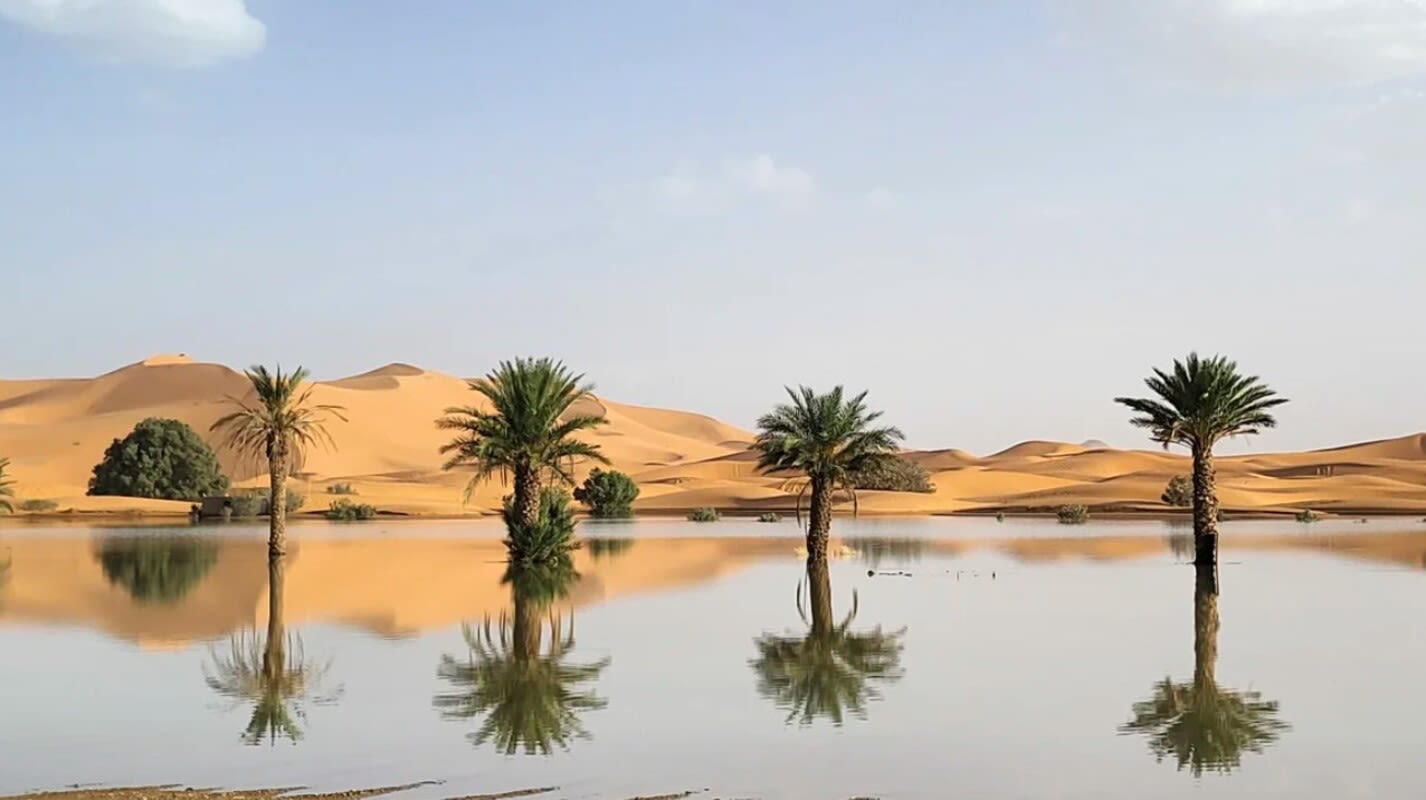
248,503
704,515
769,516
38,506
347,511
341,488
608,494
1308,515
1179,492
1073,515
893,474
549,538
1000,516
160,458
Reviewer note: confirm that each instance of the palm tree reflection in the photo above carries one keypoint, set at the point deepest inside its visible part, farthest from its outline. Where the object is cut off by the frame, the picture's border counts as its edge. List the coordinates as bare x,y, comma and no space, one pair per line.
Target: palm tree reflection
831,670
1202,726
528,692
270,672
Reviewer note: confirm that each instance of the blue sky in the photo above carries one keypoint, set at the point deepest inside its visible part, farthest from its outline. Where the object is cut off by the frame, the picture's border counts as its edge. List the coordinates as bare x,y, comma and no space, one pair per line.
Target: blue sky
994,216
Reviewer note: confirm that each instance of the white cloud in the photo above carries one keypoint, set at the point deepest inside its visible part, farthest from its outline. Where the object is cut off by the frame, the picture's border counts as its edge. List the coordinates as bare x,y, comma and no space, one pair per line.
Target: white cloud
739,181
881,197
179,33
1259,44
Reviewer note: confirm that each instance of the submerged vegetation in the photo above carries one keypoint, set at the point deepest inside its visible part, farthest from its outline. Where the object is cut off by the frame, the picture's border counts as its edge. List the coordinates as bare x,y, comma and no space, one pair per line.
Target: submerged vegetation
769,516
704,514
277,427
346,511
828,439
546,541
1196,404
1308,515
1073,515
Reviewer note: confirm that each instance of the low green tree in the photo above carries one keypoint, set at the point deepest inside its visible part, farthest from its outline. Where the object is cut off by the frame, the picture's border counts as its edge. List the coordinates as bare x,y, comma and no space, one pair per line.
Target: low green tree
160,458
608,494
1179,492
893,474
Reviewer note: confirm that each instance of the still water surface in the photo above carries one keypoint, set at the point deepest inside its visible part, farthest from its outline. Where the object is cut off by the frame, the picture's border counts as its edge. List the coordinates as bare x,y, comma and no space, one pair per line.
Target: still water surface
981,660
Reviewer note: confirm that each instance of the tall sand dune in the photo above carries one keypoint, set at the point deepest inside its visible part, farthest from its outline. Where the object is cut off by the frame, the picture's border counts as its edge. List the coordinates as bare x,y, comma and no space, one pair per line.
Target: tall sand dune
55,431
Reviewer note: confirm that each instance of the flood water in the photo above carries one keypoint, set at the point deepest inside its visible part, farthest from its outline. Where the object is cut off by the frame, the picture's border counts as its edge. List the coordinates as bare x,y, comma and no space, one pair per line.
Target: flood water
981,659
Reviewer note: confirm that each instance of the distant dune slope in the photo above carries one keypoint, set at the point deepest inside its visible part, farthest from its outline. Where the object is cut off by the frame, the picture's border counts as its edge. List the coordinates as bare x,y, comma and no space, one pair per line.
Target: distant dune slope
54,431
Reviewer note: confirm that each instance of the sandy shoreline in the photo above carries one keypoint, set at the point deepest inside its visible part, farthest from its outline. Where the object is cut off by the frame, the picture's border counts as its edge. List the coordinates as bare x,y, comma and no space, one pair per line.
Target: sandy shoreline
55,431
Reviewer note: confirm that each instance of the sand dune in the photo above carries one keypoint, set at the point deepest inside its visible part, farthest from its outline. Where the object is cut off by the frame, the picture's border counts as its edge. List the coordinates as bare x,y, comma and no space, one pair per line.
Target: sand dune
54,431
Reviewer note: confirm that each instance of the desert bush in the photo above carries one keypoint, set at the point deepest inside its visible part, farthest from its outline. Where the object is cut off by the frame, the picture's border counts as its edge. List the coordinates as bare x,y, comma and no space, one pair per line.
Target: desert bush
341,488
893,474
1179,492
248,503
549,538
769,516
1073,515
1308,515
347,511
1000,516
608,494
38,506
704,514
160,458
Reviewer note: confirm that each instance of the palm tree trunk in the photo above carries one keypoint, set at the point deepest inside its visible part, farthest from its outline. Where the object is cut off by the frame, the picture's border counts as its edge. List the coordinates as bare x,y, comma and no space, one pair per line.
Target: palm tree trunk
527,496
819,584
1205,628
819,526
1205,507
277,500
274,655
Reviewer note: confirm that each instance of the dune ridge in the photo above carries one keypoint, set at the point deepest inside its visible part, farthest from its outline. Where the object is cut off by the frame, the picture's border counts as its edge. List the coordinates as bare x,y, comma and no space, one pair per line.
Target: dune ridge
55,431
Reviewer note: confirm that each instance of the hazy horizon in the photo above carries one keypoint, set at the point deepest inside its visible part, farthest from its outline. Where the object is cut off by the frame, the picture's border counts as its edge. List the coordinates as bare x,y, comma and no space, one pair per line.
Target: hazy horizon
994,217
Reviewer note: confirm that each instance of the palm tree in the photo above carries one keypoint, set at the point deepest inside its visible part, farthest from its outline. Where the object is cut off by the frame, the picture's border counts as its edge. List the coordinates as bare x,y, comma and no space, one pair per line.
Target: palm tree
7,489
828,438
1202,401
271,673
277,427
528,433
529,694
1202,726
829,671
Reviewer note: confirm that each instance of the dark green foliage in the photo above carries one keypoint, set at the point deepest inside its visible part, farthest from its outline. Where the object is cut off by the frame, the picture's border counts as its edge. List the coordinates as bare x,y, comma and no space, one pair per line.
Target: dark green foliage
347,511
157,568
38,506
608,548
704,515
1073,515
529,431
160,458
341,488
1000,516
249,503
1202,401
1179,492
1308,515
893,474
769,516
547,540
608,494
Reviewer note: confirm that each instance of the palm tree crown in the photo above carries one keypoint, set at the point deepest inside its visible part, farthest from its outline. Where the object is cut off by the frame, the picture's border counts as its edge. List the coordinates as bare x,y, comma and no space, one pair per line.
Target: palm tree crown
282,422
7,490
529,428
1202,401
827,437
